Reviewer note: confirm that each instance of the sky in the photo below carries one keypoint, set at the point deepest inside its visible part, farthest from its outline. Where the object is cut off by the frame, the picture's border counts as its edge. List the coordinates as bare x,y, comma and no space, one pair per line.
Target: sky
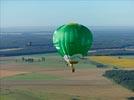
15,13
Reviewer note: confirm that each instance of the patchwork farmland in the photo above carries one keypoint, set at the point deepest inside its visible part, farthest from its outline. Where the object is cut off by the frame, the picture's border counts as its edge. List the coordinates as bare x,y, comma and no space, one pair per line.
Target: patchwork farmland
52,79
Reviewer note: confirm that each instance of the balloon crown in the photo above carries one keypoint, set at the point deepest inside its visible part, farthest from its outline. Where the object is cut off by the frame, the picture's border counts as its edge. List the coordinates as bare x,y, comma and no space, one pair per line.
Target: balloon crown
72,23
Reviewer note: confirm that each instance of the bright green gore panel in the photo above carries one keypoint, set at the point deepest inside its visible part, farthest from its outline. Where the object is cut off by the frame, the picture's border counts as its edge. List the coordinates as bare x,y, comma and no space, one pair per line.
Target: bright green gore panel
71,39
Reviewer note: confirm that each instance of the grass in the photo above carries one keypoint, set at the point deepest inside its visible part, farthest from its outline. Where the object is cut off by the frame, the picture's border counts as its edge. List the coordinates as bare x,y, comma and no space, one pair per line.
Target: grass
54,60
32,76
17,94
51,60
47,93
115,61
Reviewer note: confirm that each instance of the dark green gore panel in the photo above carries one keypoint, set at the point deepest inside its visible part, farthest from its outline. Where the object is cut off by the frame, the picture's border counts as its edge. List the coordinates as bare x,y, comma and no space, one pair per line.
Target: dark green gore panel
73,38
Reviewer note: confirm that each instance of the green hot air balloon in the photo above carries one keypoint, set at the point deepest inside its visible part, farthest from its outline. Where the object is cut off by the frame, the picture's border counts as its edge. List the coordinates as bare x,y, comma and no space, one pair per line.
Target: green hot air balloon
72,42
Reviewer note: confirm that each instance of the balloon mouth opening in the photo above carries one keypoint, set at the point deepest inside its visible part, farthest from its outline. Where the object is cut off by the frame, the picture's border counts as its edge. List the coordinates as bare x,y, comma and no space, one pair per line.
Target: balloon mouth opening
73,62
72,59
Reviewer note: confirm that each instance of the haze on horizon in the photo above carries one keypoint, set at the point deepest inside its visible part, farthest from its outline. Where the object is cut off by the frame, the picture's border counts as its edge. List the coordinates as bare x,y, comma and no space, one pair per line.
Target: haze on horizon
56,12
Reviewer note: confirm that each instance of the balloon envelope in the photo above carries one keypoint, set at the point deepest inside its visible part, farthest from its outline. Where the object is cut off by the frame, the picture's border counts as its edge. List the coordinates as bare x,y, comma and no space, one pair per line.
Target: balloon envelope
71,40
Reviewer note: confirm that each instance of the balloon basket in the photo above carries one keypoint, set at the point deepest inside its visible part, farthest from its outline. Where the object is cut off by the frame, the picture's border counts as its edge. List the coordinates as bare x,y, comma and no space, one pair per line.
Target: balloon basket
71,65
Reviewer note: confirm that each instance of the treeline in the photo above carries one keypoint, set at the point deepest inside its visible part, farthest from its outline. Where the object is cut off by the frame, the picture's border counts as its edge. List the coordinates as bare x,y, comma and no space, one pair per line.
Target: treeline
122,77
42,59
98,65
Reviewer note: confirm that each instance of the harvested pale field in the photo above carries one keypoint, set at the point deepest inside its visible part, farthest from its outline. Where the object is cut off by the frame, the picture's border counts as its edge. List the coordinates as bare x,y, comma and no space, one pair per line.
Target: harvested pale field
5,73
115,61
85,84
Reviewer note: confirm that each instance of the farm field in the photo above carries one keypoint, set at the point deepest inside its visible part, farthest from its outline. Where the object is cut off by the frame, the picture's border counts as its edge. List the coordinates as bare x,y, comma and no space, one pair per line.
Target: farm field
53,80
118,61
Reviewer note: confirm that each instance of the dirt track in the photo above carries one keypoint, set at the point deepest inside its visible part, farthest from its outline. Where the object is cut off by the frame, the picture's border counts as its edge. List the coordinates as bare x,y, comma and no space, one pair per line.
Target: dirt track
5,73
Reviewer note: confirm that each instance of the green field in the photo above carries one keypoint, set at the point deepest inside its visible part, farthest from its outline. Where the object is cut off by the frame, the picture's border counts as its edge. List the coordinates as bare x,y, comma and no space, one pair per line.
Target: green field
18,94
52,79
32,76
28,95
52,60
